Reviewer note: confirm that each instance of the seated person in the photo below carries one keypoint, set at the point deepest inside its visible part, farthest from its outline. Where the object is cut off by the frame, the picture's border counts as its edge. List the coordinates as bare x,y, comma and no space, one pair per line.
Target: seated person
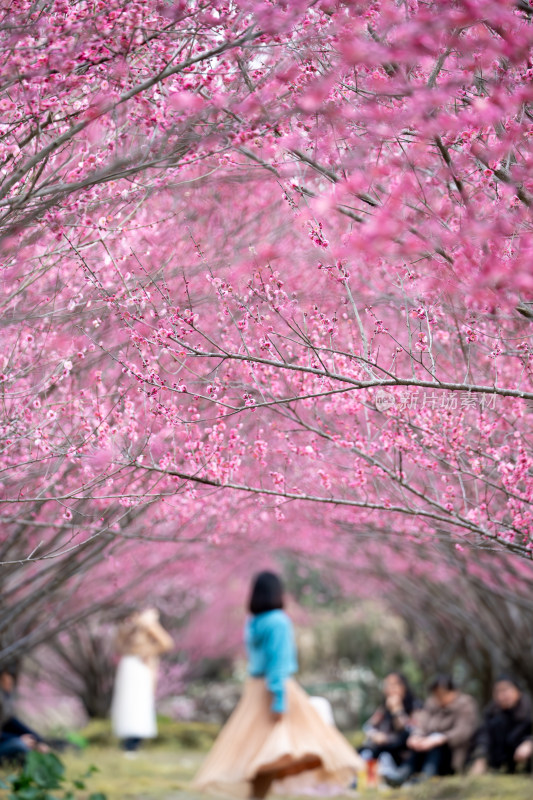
442,734
16,739
504,738
388,728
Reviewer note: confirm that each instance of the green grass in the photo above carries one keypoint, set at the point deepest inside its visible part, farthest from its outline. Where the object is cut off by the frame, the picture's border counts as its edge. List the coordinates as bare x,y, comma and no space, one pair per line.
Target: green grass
177,735
488,787
157,773
162,770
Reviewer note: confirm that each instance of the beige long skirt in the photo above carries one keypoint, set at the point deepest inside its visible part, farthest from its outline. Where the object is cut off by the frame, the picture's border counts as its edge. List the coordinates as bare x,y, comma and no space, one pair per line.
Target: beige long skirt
252,743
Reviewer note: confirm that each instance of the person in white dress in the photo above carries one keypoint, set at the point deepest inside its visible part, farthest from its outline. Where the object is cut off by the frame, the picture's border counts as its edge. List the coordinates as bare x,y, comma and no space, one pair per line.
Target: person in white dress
141,640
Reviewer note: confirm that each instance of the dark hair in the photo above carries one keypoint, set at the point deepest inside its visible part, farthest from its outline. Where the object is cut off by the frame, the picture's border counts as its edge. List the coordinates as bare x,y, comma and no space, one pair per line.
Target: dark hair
267,593
442,681
509,678
10,668
409,700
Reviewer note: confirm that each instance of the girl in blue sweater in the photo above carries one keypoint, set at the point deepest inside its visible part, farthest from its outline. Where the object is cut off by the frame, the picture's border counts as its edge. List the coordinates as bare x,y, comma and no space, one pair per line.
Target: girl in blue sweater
275,731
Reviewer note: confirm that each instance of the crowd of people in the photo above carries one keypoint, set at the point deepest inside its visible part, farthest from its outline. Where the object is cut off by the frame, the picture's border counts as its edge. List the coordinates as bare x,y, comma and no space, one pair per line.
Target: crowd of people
278,733
447,734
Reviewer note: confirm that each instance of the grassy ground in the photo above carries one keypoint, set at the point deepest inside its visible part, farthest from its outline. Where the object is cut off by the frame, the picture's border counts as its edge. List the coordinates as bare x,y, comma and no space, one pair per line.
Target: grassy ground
162,770
163,773
155,774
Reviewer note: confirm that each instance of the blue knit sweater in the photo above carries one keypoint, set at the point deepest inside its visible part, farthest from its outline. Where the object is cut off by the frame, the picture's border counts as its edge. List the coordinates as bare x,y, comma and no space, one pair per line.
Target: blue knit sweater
271,650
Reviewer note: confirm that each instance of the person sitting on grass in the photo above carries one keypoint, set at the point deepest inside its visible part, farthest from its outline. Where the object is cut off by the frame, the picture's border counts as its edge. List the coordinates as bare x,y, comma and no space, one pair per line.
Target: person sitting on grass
504,739
16,739
442,734
389,727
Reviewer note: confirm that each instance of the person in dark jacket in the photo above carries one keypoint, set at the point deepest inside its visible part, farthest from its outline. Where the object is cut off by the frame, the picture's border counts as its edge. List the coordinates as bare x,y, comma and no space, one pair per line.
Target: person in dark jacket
388,728
504,739
16,739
